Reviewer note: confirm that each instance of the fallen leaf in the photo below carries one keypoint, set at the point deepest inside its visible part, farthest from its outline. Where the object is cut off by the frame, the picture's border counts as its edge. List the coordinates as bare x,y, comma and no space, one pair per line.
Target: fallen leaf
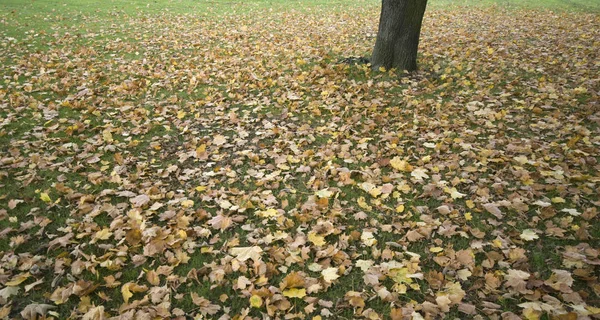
528,235
295,293
330,274
244,253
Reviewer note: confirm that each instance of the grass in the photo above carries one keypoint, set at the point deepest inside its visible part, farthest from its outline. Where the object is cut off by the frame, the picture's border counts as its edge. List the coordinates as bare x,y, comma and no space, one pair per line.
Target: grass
143,87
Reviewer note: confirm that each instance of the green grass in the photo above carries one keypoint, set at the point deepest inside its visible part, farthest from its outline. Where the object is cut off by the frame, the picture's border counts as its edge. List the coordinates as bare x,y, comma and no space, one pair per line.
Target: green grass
560,5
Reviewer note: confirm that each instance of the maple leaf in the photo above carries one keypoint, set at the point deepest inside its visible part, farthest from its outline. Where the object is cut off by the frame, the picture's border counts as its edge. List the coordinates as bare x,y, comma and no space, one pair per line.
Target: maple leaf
560,280
528,235
219,140
330,274
463,274
225,204
452,294
371,189
245,253
400,165
419,174
295,293
269,213
368,239
206,307
364,265
455,194
516,279
107,135
140,200
129,288
316,239
8,292
292,280
103,234
400,275
187,203
220,222
354,299
324,193
414,235
94,313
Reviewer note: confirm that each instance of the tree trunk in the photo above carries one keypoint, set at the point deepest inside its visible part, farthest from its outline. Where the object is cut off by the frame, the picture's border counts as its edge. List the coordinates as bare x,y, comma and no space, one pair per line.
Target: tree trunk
398,36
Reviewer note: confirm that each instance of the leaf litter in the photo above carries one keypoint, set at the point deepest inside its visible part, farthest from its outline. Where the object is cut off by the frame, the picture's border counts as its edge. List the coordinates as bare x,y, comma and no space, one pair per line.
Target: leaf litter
231,168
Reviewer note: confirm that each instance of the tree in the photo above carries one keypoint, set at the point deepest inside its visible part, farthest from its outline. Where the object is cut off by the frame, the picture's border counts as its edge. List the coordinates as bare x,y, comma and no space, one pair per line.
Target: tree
398,35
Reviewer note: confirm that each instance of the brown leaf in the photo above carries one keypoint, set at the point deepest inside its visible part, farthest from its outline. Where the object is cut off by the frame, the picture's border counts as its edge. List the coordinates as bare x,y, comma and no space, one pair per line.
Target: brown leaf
292,280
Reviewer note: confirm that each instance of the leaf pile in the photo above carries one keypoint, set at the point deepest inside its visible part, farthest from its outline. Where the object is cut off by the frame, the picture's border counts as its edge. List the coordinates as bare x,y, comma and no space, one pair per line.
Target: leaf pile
186,165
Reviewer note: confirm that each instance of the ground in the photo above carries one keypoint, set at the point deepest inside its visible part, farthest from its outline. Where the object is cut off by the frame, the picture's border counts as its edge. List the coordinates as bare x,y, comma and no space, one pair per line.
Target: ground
212,159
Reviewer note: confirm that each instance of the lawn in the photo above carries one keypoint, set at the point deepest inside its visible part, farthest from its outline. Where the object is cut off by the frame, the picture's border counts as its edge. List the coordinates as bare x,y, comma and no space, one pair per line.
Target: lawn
225,160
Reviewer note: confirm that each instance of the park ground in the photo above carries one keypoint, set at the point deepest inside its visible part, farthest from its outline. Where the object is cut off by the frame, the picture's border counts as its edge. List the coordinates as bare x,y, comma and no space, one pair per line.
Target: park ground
229,159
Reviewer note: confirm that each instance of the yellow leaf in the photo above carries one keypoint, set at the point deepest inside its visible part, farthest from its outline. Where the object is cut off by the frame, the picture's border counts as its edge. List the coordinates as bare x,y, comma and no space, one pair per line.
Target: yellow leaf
400,275
45,197
268,213
436,249
103,234
256,301
521,159
201,149
292,280
497,243
400,208
401,165
295,293
133,236
558,200
455,194
324,193
107,136
531,314
316,239
470,204
200,188
17,280
468,216
368,239
363,204
593,310
180,114
375,192
187,203
125,292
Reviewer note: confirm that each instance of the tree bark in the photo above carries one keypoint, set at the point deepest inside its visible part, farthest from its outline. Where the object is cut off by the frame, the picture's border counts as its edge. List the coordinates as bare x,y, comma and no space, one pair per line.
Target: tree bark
398,36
